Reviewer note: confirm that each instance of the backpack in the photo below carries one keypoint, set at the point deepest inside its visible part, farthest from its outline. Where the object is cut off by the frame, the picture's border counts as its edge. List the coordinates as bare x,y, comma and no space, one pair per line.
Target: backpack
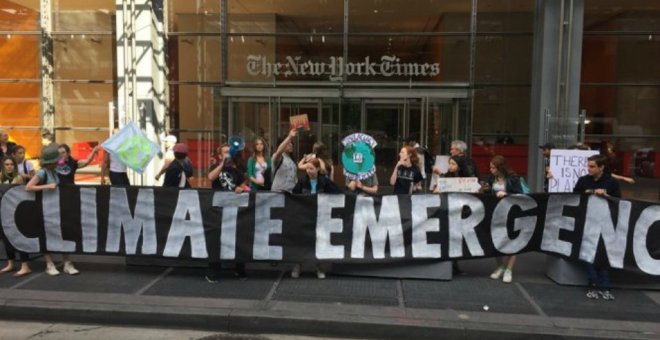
524,186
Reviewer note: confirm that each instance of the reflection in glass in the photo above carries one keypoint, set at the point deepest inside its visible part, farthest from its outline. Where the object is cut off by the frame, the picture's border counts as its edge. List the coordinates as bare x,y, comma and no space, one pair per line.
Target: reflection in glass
19,56
504,59
83,56
82,105
20,15
505,16
194,16
195,58
620,59
402,16
286,16
20,104
76,15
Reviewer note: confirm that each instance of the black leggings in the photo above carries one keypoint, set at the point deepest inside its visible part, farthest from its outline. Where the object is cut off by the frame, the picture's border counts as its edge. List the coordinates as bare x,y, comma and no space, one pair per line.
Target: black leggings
11,252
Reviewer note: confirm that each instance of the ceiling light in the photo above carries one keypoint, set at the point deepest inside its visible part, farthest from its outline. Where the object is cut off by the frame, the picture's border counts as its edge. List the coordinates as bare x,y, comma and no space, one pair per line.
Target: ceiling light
375,11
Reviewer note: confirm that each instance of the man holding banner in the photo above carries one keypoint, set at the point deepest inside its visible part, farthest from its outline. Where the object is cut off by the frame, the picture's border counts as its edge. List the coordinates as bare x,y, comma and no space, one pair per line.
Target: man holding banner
600,183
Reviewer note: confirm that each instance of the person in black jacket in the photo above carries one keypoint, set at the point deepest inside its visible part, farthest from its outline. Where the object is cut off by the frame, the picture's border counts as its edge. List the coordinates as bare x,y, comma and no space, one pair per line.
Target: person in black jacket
313,183
601,183
503,181
180,169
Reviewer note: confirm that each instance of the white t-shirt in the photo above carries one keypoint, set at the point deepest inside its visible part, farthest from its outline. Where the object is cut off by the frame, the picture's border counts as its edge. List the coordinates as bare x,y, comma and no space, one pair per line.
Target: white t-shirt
115,164
25,168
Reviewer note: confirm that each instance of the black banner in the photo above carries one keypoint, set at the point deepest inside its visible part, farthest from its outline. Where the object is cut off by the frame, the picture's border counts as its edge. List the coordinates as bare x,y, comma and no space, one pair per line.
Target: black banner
207,224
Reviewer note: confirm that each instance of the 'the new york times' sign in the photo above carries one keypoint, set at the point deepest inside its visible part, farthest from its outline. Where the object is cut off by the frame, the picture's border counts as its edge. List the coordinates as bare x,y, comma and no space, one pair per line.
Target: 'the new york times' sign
207,224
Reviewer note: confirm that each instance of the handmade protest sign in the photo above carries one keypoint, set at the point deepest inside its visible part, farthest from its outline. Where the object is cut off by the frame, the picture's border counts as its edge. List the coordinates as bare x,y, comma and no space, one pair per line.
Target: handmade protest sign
132,147
566,167
358,156
458,184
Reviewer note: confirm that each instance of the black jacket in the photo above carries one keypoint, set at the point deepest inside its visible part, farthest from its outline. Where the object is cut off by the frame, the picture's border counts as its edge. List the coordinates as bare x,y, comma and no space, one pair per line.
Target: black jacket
513,185
606,181
324,185
175,171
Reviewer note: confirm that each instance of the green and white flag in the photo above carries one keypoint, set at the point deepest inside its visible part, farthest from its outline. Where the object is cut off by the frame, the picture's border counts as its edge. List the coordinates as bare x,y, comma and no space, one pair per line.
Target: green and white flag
132,147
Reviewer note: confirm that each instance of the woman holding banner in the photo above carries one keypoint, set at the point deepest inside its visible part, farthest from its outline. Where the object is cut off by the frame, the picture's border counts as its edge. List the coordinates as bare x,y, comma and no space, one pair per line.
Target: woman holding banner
10,175
259,167
407,176
313,183
503,181
47,179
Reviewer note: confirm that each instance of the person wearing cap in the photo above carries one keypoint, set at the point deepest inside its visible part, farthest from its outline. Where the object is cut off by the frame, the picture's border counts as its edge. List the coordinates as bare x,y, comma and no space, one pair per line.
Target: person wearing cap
547,147
170,141
47,179
180,169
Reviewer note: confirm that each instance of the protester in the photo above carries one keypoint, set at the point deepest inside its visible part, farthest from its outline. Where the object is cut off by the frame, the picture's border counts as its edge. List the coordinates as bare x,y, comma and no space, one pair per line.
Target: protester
422,153
599,182
259,167
367,186
547,149
284,168
67,166
319,151
179,170
406,176
6,147
459,148
612,163
25,168
226,175
9,175
455,168
314,182
47,178
503,181
170,141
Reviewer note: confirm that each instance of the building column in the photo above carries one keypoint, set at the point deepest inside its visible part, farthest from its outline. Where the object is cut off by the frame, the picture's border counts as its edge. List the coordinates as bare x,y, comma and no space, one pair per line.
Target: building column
141,74
47,99
556,66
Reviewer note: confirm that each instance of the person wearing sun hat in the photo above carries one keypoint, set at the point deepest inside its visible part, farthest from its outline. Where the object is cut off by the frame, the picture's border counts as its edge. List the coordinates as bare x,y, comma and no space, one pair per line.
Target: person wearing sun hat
47,179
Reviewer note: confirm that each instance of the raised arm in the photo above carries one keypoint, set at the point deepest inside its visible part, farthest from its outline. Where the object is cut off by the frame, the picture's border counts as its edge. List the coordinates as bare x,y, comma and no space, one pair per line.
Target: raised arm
282,147
85,162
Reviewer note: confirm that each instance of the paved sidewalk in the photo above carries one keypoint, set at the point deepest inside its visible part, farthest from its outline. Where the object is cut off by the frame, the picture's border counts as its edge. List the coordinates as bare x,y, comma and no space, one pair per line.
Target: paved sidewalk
269,301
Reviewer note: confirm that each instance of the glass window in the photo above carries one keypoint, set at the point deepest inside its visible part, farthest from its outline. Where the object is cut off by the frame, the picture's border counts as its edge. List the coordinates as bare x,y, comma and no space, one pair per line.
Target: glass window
19,56
403,58
403,16
195,107
285,16
195,58
20,104
505,16
83,56
621,15
76,15
20,15
620,59
194,16
82,105
504,59
501,115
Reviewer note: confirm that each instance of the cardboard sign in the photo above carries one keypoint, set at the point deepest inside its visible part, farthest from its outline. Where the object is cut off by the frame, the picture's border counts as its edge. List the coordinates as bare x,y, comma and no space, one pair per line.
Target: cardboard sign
441,162
566,167
458,184
300,122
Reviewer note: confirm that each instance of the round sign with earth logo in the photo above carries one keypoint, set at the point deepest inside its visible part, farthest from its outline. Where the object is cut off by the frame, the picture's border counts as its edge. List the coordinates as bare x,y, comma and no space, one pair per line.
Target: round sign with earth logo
358,156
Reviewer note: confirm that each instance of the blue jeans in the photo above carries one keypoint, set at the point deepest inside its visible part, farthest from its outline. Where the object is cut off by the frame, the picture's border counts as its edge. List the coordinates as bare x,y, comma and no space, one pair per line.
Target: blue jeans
597,276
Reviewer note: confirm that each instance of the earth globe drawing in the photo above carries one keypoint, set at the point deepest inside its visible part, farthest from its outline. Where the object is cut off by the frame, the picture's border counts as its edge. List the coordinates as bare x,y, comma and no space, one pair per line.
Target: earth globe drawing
358,156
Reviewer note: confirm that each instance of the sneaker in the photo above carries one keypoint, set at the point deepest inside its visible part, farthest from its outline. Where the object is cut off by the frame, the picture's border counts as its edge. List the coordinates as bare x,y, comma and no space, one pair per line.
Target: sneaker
295,273
70,269
320,274
497,273
51,269
606,295
508,276
455,270
592,293
211,279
